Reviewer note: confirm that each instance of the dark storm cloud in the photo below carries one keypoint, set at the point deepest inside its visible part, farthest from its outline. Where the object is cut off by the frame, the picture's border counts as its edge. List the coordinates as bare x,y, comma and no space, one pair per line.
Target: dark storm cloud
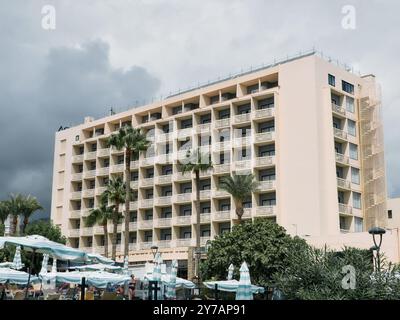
71,84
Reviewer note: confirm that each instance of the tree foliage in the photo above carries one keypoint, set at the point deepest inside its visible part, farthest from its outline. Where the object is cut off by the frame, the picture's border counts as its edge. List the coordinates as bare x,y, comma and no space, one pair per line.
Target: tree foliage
46,229
263,244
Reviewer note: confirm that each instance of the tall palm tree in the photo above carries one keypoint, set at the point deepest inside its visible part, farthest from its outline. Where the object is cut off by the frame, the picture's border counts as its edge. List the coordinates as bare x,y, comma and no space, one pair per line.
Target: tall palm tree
240,186
101,215
115,194
14,204
197,162
134,142
4,211
29,206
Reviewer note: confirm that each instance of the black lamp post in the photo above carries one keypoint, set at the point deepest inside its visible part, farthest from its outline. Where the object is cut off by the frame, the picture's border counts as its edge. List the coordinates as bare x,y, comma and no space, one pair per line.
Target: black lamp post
154,250
376,231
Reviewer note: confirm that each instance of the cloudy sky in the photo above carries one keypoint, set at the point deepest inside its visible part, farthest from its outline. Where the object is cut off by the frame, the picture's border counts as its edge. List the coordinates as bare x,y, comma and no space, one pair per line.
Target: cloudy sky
115,52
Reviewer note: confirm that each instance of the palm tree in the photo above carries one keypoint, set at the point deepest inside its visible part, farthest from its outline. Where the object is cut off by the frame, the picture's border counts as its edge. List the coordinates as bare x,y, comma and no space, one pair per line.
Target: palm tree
4,211
29,206
14,204
101,215
240,186
115,194
197,162
134,142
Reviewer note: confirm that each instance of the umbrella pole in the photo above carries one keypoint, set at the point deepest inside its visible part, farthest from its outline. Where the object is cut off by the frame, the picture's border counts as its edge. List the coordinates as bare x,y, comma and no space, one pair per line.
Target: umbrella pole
83,288
30,271
216,291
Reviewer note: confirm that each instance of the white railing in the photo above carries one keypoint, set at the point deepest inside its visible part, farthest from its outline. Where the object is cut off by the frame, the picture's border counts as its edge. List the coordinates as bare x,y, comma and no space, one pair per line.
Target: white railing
163,137
265,211
134,184
98,230
117,168
89,193
89,174
265,136
338,109
103,171
146,182
146,203
86,231
164,200
135,164
343,183
77,158
164,243
205,127
103,152
183,220
345,209
221,146
185,132
164,179
146,224
205,194
132,226
264,113
76,195
264,161
266,185
183,197
242,164
222,168
340,133
222,123
76,176
73,233
242,141
240,118
222,215
133,205
206,173
145,245
75,214
342,158
147,161
203,240
163,222
184,242
221,193
90,155
85,212
180,176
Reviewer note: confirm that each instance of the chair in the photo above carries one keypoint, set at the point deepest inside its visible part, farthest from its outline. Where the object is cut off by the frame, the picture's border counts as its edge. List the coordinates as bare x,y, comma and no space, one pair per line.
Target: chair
89,295
53,296
109,296
19,295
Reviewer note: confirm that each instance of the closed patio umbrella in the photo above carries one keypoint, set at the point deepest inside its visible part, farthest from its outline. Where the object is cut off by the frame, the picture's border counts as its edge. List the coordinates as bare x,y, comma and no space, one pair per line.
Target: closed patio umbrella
230,272
44,263
126,265
54,266
171,291
244,289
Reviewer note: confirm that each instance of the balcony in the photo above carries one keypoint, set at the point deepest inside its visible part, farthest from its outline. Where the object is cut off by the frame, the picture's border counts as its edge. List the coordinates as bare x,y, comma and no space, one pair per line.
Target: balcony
266,185
162,222
345,209
221,146
243,165
343,184
263,211
222,168
73,233
264,113
147,182
147,161
184,242
77,159
133,205
132,226
76,195
90,155
183,133
134,184
162,201
146,203
145,245
338,109
89,193
103,152
77,176
206,173
341,158
205,194
132,247
246,213
146,224
164,137
99,250
134,164
222,123
116,151
265,161
184,197
89,174
179,176
205,127
242,142
340,134
264,137
205,217
117,168
75,214
183,220
86,231
203,240
164,243
98,230
221,194
86,212
103,171
222,215
242,118
164,179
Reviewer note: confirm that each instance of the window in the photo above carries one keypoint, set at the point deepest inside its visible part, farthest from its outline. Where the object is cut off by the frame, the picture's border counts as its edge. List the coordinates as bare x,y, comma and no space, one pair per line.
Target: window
225,207
390,214
77,138
187,235
353,151
355,175
358,224
356,200
350,104
205,210
351,127
331,80
347,87
224,114
206,233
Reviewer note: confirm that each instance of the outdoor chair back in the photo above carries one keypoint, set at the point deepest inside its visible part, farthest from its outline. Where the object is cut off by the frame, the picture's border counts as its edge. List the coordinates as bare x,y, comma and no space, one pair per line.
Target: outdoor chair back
109,296
19,295
53,296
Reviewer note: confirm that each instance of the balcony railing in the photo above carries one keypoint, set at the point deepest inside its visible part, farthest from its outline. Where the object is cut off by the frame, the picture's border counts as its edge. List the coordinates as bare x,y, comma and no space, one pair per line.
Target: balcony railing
103,171
132,226
265,211
86,231
338,109
89,193
89,174
342,158
77,176
243,164
241,118
77,158
163,222
206,173
264,113
242,141
75,214
205,127
164,243
222,215
184,242
345,209
103,152
98,230
91,155
222,168
184,197
205,194
147,161
147,182
265,136
135,164
117,168
145,245
203,240
166,200
264,161
146,224
132,247
147,203
183,220
205,217
76,195
86,212
180,176
221,193
340,133
182,133
133,205
343,183
134,184
221,146
221,123
163,137
266,185
74,233
164,179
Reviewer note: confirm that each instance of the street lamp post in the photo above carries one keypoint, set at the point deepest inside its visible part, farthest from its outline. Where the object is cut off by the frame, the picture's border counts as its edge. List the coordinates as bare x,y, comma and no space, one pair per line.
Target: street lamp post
154,250
376,231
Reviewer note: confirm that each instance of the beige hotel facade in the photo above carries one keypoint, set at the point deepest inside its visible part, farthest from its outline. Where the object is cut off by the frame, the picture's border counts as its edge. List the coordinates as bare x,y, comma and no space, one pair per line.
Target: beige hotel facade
309,130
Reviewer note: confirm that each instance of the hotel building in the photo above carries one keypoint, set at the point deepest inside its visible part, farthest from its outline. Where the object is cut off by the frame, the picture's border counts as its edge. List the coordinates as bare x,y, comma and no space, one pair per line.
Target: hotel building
307,129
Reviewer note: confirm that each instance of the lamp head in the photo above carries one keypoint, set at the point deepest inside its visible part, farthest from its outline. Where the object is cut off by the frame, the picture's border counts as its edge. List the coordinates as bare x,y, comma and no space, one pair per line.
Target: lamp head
376,231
